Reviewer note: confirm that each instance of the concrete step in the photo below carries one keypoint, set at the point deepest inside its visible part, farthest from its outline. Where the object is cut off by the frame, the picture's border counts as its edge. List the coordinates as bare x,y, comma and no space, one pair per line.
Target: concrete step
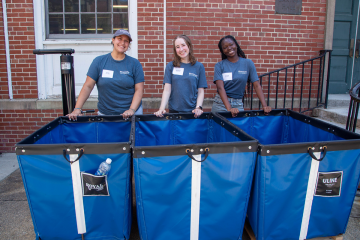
338,100
337,111
357,130
337,114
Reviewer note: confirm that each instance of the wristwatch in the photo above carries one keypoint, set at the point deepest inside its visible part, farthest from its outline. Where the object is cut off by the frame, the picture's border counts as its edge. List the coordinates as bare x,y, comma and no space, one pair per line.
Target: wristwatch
200,107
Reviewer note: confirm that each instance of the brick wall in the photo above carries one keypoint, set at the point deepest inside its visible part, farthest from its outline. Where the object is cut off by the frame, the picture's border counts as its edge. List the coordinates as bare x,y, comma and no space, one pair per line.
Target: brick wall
21,43
271,40
17,124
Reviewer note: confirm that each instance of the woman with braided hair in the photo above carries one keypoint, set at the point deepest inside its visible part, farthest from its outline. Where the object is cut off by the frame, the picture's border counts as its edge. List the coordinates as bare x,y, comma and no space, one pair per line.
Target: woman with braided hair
231,76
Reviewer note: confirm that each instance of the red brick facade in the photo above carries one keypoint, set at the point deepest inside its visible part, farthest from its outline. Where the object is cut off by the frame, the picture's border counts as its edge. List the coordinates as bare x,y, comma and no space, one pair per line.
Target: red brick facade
20,19
271,40
17,124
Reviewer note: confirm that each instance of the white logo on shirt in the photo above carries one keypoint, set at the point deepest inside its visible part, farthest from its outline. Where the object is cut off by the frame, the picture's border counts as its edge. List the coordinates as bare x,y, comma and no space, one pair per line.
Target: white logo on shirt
227,76
124,72
242,72
178,71
107,73
193,75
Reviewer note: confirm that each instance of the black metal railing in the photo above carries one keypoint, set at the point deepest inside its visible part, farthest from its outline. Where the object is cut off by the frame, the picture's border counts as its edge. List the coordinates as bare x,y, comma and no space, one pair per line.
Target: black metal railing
353,107
299,87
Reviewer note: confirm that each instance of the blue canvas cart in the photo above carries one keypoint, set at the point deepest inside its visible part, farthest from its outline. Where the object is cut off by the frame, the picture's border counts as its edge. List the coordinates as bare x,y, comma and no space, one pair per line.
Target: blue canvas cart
52,162
192,176
306,175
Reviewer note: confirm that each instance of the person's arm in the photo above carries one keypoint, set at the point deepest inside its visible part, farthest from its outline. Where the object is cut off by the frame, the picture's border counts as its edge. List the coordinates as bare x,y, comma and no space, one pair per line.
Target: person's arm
261,97
139,89
83,96
164,100
223,96
199,102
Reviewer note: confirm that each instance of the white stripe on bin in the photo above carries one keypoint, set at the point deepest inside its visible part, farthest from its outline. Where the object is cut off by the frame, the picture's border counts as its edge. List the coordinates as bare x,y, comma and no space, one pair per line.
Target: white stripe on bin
195,197
314,169
78,199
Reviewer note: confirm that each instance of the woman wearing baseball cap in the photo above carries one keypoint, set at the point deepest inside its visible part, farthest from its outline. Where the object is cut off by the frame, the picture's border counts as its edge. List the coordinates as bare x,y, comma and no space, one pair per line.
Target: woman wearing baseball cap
119,79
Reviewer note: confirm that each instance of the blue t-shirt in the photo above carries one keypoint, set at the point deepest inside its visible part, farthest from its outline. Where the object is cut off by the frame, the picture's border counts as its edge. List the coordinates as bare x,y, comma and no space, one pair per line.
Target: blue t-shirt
235,76
185,81
115,81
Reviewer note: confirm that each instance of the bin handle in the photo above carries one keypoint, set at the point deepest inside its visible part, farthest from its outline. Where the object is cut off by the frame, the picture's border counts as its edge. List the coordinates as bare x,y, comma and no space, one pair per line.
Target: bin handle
80,155
188,152
311,153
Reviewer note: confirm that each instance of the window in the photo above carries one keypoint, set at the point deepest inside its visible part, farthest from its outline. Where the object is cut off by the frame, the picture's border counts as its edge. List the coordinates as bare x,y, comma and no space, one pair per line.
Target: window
85,18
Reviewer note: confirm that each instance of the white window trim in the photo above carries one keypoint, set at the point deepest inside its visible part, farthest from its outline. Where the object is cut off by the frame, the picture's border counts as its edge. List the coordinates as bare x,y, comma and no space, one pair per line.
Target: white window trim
41,42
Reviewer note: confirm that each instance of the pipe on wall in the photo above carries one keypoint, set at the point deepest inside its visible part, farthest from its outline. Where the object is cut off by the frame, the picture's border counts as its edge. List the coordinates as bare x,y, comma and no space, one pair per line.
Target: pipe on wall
7,50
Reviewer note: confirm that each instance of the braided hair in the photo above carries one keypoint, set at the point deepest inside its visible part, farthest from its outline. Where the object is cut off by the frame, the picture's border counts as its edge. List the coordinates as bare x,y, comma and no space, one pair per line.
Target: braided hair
240,52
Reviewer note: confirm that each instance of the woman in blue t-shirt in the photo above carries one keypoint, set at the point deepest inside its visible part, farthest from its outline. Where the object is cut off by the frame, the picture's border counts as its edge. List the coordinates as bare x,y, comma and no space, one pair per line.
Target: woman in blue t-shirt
231,76
184,81
119,79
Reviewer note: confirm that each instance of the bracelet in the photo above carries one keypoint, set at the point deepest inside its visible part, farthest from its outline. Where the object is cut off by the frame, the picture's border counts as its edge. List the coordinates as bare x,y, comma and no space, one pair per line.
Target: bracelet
79,109
132,110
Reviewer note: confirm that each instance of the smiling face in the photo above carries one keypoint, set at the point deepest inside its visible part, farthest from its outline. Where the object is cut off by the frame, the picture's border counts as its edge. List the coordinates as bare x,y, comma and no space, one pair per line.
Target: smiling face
182,49
229,48
121,43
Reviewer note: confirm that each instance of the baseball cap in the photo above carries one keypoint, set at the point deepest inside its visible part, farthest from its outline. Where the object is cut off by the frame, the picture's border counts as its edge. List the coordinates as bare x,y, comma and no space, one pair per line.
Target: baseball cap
122,32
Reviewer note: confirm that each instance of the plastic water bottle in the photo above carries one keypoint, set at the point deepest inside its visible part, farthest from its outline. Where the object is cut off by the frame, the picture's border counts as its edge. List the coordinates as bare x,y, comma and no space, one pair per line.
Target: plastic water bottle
104,168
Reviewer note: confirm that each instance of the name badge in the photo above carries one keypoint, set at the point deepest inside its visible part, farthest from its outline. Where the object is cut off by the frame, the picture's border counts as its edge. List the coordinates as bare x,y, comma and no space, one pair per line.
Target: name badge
227,76
178,71
107,73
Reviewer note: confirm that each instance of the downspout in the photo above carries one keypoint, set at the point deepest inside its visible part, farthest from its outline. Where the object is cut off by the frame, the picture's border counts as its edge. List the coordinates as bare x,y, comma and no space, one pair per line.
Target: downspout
7,50
356,33
164,34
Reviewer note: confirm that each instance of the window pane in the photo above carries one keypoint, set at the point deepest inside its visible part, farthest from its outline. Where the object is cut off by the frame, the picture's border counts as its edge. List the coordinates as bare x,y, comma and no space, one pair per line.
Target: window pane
71,5
104,23
120,21
71,23
55,24
87,5
88,23
104,5
55,6
120,6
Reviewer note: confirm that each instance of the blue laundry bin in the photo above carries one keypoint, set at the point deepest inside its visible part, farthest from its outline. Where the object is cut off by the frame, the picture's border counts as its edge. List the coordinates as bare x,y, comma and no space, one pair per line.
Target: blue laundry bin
306,175
192,177
56,162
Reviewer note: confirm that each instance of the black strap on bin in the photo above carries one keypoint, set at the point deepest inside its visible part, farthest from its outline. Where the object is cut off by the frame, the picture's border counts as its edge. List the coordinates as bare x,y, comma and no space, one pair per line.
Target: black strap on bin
80,155
188,152
311,153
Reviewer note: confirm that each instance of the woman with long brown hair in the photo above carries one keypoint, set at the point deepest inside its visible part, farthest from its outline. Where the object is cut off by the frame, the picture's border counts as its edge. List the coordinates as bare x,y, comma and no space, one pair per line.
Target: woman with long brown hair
184,81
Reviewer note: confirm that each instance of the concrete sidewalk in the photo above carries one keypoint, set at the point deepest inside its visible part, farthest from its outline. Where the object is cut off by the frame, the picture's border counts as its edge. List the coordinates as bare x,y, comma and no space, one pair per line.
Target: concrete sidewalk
16,222
8,164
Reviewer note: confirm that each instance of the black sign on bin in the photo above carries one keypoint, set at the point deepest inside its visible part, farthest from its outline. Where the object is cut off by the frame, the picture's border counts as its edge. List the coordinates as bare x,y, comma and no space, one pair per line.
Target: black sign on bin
94,185
329,184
